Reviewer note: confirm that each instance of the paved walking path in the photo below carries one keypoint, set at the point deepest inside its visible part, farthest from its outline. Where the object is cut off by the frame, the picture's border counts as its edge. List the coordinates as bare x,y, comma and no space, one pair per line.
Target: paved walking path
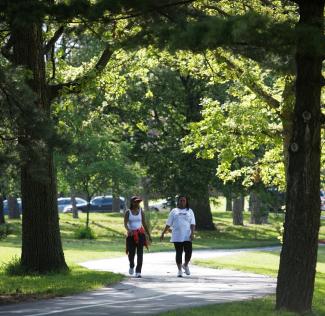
158,290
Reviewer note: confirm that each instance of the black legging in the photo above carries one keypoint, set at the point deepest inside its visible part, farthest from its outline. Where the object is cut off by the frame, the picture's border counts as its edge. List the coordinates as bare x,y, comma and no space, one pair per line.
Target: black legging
185,246
132,247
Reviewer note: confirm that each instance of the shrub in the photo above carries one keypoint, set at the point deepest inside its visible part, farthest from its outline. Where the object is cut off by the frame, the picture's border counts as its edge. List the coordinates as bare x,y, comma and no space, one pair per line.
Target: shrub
85,233
4,231
280,229
13,267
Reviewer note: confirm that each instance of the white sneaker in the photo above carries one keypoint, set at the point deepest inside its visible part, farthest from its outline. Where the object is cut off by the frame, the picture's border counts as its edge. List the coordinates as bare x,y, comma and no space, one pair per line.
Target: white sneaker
138,275
131,271
186,269
179,273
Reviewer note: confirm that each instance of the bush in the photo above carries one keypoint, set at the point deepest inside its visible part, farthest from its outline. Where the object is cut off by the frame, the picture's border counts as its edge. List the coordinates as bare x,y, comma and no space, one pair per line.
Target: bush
4,231
13,267
85,233
280,229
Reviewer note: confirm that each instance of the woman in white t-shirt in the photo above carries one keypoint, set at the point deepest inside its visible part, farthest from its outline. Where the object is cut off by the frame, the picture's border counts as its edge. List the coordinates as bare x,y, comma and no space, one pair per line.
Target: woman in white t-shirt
182,222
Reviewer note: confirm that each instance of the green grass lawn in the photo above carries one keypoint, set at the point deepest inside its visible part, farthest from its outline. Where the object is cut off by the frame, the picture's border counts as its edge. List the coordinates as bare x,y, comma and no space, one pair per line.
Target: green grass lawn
110,243
262,262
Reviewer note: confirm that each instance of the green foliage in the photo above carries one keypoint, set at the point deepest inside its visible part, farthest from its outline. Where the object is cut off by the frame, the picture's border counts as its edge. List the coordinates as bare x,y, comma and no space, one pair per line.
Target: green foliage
84,233
152,220
5,230
162,91
280,230
14,267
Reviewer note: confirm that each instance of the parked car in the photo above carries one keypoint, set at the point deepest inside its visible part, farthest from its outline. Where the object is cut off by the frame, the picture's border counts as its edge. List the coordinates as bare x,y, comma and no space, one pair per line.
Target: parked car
322,200
6,209
102,204
65,204
162,206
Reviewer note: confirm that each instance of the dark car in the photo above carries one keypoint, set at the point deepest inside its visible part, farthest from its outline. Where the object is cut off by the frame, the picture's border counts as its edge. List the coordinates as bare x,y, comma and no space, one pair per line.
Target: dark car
102,204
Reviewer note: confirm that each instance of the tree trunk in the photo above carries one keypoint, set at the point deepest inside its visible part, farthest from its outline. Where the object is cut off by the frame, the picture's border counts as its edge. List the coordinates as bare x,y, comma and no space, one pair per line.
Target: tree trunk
288,97
298,258
237,211
75,213
201,208
116,205
2,217
13,208
145,195
259,215
41,242
228,203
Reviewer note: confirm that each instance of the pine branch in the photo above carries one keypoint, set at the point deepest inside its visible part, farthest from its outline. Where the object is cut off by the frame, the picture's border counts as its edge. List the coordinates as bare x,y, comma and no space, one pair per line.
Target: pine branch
322,120
53,40
7,139
5,50
219,10
256,88
75,85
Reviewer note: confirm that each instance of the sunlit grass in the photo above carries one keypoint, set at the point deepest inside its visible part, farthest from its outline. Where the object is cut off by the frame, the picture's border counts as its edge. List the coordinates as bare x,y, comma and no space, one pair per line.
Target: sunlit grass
110,242
77,280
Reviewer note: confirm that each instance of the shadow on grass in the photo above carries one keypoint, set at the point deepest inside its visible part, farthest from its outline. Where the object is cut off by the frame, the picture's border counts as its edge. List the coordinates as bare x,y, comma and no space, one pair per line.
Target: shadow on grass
77,280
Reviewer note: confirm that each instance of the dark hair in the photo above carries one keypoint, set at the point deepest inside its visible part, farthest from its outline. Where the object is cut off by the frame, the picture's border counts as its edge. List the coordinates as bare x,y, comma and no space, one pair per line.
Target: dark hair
183,196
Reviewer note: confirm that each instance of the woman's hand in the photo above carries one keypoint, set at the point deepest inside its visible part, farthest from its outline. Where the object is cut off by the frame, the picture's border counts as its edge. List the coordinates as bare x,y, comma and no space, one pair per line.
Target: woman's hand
192,236
162,237
130,232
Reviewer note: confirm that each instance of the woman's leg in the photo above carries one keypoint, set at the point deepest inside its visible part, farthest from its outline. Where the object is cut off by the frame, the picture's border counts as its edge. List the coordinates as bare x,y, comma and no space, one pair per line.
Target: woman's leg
188,251
179,253
131,250
140,253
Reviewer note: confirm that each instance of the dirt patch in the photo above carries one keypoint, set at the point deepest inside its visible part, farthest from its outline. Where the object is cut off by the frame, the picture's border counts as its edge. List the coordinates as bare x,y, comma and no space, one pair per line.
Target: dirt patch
19,298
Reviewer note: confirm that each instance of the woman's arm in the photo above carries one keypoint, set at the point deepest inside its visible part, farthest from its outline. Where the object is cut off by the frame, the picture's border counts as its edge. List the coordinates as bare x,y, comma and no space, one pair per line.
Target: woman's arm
192,231
164,231
169,223
126,219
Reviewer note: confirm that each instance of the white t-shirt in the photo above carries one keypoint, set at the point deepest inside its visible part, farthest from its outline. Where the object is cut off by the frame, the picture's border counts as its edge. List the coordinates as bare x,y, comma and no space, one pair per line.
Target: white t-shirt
181,220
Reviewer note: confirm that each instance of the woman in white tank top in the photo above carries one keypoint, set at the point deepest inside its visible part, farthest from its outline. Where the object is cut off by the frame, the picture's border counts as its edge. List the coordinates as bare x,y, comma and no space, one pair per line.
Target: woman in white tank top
135,224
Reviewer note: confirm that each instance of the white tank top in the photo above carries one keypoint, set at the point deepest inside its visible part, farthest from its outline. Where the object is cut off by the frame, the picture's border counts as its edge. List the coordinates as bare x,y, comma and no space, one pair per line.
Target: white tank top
135,221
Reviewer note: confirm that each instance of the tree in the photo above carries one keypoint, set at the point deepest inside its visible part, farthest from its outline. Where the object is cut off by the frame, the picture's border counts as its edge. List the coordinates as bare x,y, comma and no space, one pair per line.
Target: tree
32,30
2,217
160,119
298,259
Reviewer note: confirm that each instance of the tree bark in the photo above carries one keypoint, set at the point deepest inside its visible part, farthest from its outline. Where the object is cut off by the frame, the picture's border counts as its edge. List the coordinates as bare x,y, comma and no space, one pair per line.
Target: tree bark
259,214
75,213
2,217
298,258
228,203
202,210
255,207
237,211
41,242
145,195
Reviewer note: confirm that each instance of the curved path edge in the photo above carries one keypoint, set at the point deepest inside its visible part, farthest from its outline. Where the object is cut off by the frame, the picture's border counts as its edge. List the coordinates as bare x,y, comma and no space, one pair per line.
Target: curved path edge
158,290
